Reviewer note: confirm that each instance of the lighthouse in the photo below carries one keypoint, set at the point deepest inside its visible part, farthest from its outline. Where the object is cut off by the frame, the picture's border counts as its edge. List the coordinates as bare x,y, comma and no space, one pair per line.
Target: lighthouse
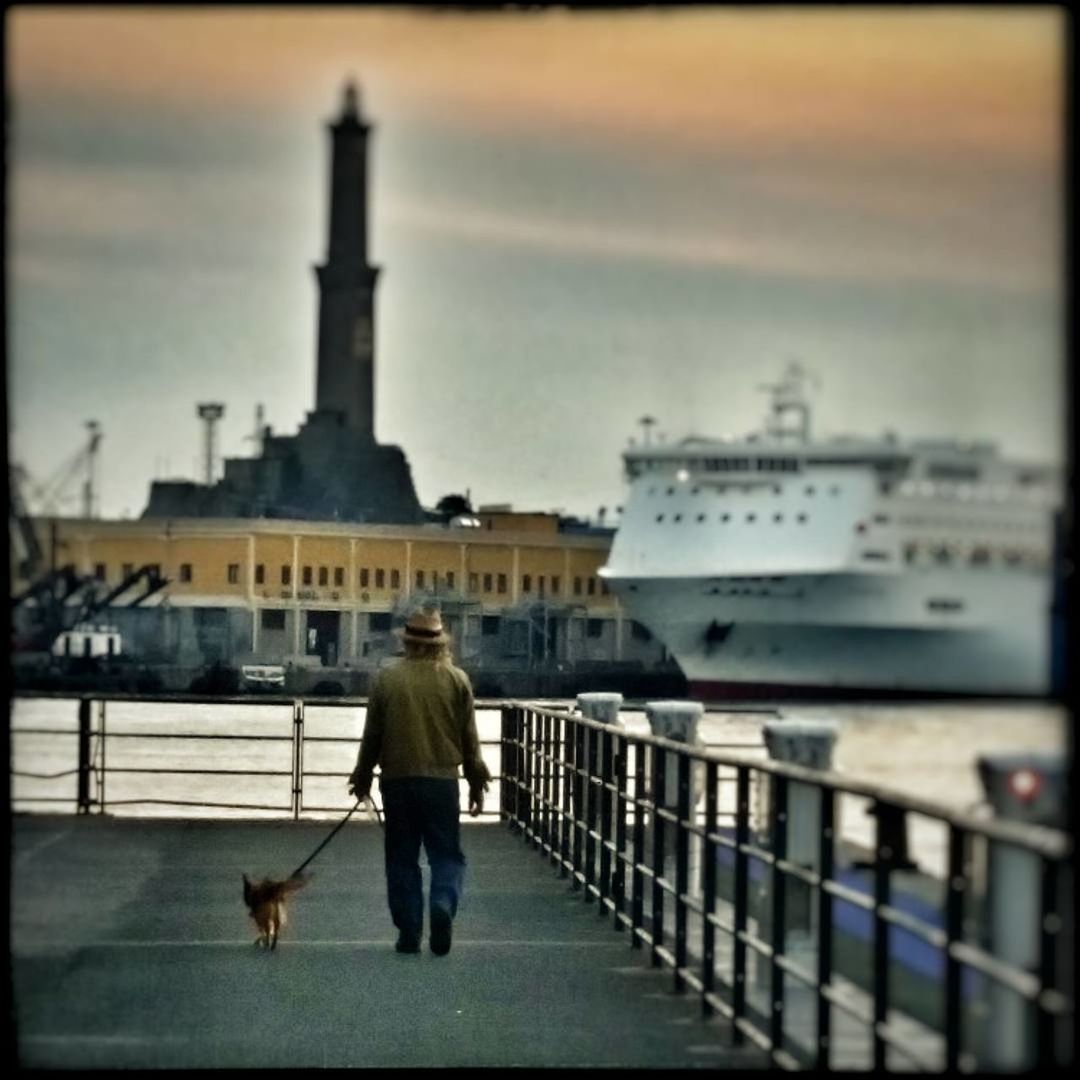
345,364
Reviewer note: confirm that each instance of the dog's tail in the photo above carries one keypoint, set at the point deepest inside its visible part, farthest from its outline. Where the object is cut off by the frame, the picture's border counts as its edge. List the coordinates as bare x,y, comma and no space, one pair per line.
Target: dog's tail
297,881
247,891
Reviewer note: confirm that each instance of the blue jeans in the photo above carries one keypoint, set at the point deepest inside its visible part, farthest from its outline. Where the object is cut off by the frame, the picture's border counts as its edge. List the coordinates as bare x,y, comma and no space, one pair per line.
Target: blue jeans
421,808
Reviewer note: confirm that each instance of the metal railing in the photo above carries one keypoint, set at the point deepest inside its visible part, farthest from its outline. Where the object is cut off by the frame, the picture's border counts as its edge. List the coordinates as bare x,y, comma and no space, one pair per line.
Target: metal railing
737,875
92,740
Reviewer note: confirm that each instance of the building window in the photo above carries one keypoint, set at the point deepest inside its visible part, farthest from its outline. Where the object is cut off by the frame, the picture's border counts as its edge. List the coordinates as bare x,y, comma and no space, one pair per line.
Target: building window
489,625
419,579
260,574
127,570
339,576
99,570
474,582
502,583
603,587
234,573
540,583
577,586
592,586
307,575
487,583
185,572
449,579
379,621
554,584
324,575
286,575
395,579
526,583
273,618
594,627
365,577
380,578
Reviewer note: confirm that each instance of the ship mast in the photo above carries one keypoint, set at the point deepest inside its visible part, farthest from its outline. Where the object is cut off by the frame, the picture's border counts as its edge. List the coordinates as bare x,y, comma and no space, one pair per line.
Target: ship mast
789,397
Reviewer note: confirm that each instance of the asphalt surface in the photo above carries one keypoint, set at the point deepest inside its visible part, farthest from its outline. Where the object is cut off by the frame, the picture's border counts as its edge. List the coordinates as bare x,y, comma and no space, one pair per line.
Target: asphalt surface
131,948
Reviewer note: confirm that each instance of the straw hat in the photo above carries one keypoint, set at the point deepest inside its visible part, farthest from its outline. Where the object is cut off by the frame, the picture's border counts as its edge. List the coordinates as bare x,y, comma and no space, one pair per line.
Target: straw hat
425,628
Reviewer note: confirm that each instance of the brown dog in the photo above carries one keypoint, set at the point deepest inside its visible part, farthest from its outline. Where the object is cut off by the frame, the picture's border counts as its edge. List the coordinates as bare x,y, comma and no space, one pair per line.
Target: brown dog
266,903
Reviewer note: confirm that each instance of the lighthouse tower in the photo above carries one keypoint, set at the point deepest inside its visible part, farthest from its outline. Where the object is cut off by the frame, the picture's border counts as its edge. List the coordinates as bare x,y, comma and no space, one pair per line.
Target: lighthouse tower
345,373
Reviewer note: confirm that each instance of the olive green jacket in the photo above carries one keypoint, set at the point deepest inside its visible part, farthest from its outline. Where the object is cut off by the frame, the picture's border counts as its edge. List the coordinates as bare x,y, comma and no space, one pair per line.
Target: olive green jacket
420,722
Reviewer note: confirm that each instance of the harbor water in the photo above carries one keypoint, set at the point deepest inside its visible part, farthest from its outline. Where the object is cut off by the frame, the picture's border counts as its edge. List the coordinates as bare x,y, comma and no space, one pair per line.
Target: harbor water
924,750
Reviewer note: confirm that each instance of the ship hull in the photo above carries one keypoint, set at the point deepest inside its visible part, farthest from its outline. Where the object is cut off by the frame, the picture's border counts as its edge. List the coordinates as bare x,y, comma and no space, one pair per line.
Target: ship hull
848,635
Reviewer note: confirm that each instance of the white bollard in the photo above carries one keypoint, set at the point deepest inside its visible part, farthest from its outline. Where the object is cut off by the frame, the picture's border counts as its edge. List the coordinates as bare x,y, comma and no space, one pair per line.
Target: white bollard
808,743
603,707
678,721
1027,788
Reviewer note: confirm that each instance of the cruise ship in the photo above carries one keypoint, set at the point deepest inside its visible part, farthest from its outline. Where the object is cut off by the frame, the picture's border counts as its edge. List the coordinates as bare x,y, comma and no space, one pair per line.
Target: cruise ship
781,566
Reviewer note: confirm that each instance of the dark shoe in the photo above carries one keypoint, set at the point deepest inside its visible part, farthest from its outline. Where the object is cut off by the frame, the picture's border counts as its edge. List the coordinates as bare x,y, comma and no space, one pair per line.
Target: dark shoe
441,926
407,943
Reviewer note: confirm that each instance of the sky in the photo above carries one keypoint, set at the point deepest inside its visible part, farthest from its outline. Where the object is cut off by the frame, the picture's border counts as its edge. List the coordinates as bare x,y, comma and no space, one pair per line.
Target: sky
581,218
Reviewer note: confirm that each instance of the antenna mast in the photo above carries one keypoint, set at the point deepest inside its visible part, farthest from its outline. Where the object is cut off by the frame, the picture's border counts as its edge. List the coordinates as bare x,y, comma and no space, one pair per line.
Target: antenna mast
90,483
210,413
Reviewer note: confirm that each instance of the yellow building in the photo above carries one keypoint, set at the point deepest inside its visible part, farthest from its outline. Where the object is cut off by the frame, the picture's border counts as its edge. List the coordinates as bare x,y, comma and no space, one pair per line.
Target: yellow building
329,594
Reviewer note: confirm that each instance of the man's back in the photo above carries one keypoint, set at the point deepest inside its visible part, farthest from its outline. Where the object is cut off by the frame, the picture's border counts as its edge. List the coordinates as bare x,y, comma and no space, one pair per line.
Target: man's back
421,713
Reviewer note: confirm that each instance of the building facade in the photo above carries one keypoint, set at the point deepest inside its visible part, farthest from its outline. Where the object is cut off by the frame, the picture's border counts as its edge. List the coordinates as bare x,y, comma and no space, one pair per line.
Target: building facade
327,596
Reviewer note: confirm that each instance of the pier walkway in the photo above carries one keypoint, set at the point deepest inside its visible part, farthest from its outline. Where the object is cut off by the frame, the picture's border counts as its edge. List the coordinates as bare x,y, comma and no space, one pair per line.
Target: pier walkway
131,947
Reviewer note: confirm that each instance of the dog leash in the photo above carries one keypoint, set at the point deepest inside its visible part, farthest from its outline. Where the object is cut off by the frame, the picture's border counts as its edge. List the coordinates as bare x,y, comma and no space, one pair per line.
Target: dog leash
378,814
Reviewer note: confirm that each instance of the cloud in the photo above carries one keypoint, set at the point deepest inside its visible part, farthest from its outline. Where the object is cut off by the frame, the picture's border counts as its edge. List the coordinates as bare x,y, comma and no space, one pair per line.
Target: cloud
942,81
734,246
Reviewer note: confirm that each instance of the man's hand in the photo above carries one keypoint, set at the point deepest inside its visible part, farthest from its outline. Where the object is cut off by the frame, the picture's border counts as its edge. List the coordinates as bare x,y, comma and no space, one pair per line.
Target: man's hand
357,789
476,798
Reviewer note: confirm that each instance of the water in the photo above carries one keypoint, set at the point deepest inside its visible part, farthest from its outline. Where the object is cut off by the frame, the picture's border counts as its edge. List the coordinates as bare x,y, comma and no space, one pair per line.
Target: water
929,751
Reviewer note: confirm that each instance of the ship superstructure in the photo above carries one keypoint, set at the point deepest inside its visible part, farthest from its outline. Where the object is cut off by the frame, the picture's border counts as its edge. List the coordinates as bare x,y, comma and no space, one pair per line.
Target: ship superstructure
780,563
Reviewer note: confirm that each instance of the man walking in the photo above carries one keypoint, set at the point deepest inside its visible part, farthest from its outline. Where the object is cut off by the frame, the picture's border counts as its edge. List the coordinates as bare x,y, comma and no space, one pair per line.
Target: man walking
420,727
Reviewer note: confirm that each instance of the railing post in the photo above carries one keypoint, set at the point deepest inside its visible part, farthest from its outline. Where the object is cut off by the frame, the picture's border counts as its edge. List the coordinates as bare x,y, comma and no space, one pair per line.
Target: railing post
606,772
778,845
578,801
505,735
103,772
827,812
658,778
566,824
545,782
527,795
298,757
708,930
682,875
83,794
604,708
591,794
637,878
741,902
618,883
1028,788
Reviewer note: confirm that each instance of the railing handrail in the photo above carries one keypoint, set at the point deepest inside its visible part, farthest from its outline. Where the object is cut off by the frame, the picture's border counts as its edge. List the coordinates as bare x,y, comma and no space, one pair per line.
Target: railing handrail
1042,839
577,790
